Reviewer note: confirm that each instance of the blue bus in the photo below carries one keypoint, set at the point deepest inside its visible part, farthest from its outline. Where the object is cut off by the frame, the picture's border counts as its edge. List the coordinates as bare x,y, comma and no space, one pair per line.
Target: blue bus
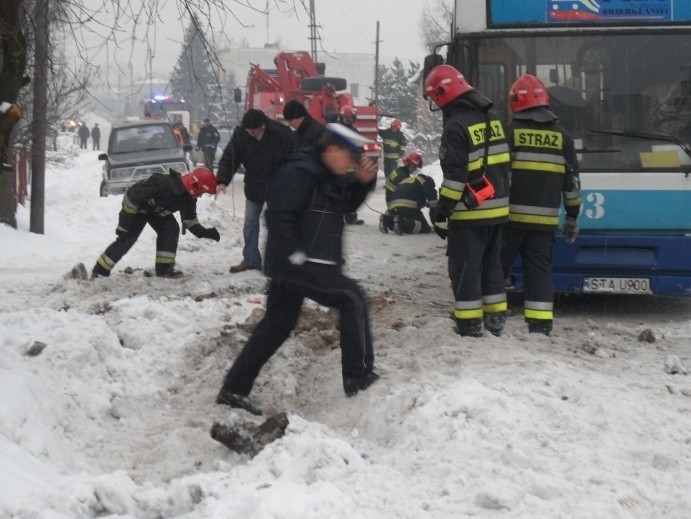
619,77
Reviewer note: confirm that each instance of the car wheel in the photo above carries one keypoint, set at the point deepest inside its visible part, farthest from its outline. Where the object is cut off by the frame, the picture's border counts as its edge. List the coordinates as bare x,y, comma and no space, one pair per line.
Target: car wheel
104,189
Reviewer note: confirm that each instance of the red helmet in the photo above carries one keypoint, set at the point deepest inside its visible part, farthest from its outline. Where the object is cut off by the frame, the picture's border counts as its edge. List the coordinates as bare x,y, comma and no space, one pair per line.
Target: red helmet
395,124
199,181
412,158
347,111
444,84
527,92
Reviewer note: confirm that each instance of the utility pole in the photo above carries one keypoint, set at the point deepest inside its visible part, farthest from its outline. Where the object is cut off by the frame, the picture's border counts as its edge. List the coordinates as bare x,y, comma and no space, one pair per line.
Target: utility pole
376,67
40,125
267,24
313,31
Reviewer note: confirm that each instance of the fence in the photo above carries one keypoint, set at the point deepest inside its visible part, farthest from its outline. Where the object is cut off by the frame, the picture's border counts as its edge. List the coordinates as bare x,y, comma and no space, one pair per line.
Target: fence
22,175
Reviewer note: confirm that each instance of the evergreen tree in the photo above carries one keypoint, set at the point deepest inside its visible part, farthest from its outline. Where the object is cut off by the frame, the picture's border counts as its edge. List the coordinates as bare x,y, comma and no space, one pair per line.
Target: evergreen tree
194,79
398,95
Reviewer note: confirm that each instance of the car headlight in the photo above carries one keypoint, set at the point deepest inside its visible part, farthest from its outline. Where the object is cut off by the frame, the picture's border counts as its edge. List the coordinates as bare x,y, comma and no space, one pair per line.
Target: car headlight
121,173
180,167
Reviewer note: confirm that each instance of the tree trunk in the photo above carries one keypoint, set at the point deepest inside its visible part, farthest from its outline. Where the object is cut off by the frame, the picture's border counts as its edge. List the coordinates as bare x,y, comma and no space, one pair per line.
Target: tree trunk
12,79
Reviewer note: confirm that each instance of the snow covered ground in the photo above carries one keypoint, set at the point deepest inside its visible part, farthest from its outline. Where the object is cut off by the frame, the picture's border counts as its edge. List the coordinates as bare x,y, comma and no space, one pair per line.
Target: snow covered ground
112,417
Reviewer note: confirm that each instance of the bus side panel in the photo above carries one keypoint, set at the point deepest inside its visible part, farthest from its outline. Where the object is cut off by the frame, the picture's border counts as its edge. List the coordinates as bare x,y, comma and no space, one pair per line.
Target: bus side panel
663,260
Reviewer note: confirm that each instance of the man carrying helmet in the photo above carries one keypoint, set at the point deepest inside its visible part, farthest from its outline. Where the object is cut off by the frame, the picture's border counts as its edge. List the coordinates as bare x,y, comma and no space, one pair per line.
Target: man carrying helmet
304,218
154,200
473,200
394,146
346,116
404,213
544,171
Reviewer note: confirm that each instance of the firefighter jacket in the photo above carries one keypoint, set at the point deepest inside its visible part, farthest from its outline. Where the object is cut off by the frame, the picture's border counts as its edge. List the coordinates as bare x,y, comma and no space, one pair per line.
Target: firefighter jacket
208,136
544,172
395,178
260,158
462,159
160,195
413,193
309,132
304,217
394,144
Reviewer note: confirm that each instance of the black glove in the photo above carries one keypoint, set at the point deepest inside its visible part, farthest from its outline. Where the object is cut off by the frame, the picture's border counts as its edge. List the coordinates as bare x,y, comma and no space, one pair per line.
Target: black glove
570,231
212,234
441,227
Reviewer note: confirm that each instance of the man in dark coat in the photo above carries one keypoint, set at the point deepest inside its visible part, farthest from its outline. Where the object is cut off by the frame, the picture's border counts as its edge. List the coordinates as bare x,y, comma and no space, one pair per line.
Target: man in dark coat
96,136
304,217
83,133
154,201
307,129
261,146
207,140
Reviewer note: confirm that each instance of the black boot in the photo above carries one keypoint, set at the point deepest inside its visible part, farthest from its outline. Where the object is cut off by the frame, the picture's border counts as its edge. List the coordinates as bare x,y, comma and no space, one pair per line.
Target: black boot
237,401
495,323
99,272
168,272
469,327
385,223
351,385
540,326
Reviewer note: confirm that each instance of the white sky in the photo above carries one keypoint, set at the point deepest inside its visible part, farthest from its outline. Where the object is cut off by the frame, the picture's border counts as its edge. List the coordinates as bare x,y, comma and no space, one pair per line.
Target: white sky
113,417
346,26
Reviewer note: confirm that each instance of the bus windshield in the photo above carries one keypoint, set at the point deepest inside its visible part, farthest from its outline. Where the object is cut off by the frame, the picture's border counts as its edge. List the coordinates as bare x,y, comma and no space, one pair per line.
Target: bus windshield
630,83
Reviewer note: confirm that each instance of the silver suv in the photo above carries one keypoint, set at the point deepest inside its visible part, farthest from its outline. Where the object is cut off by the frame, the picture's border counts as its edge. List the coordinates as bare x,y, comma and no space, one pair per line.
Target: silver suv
136,150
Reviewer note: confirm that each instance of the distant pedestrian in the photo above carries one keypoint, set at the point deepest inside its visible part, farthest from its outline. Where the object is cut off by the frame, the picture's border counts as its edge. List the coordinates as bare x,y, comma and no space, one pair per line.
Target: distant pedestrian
96,136
83,133
207,141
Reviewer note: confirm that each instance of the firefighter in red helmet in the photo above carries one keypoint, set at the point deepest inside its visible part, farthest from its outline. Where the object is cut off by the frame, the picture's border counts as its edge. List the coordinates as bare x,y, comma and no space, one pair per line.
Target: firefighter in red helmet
154,201
473,200
394,146
544,176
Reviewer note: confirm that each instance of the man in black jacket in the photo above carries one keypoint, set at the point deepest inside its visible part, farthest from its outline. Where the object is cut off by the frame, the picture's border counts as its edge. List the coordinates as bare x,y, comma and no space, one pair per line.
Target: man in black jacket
154,200
307,129
96,136
261,146
207,140
304,217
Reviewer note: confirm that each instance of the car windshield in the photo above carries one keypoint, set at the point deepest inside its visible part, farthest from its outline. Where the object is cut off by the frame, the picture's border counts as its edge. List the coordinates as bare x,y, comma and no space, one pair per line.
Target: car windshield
142,138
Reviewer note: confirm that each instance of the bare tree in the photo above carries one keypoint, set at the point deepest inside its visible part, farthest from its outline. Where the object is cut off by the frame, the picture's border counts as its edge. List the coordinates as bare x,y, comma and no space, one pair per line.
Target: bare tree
435,23
130,22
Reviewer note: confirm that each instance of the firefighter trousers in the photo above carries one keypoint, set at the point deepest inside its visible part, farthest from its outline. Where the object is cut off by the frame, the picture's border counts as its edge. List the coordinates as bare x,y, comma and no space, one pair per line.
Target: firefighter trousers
535,248
474,263
283,305
167,234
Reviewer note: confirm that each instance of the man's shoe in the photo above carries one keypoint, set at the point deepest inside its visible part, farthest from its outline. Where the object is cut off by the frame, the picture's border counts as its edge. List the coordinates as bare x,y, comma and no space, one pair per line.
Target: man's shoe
495,323
383,227
543,327
352,219
469,327
242,267
351,385
237,401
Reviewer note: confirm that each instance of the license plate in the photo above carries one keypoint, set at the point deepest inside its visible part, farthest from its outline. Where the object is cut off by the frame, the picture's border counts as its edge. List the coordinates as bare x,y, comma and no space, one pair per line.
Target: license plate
617,285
